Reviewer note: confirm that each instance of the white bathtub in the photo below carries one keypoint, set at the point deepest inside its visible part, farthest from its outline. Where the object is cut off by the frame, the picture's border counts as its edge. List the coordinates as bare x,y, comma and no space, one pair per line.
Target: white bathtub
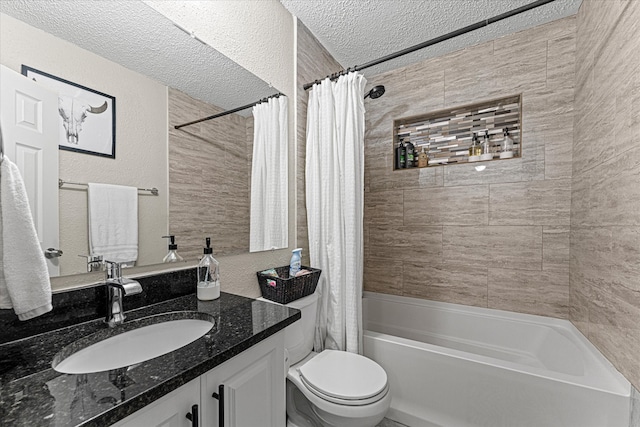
451,365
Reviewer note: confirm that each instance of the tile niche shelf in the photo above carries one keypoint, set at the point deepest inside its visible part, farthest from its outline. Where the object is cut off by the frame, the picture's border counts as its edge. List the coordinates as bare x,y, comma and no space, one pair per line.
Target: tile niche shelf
447,134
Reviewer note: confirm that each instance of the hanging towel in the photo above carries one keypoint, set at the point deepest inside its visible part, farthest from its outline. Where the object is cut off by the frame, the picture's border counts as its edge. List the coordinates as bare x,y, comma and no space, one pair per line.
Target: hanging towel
113,222
24,278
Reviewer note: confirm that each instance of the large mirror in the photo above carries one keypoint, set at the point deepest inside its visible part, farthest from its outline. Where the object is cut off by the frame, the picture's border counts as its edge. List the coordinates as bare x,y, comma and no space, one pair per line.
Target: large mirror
160,76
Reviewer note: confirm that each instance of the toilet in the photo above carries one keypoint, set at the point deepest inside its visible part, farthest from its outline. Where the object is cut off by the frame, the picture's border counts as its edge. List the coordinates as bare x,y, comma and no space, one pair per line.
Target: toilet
331,388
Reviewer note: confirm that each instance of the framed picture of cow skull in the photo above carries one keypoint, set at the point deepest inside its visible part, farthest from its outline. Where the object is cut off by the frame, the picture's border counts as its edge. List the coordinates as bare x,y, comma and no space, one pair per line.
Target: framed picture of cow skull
87,117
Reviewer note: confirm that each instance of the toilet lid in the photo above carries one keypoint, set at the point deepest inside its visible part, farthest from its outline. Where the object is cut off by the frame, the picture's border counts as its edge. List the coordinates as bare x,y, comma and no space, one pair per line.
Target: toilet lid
344,375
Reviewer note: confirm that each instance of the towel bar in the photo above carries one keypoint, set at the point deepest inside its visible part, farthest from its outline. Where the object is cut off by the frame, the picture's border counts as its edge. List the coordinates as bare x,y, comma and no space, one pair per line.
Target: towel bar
61,183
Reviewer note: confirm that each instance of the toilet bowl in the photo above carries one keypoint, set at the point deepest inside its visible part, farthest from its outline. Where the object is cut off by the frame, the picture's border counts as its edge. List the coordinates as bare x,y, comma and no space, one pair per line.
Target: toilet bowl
336,388
331,388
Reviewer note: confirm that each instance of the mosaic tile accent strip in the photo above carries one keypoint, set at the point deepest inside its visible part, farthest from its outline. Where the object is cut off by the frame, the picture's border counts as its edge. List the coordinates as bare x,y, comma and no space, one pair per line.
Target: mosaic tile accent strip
447,135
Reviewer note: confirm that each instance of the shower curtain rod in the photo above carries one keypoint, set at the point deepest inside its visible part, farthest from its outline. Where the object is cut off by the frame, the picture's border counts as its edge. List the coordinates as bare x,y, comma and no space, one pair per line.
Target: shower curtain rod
224,113
436,40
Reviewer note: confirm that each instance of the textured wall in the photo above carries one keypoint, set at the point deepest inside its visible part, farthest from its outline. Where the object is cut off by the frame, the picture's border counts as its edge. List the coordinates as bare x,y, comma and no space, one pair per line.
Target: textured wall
314,62
605,196
497,238
141,137
208,178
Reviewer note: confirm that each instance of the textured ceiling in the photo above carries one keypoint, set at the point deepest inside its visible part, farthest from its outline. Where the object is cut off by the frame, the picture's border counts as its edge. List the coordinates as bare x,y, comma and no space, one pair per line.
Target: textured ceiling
359,31
139,38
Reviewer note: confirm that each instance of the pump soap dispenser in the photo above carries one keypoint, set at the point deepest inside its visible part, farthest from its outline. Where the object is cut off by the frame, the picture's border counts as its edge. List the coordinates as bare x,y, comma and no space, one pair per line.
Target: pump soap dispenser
173,255
208,275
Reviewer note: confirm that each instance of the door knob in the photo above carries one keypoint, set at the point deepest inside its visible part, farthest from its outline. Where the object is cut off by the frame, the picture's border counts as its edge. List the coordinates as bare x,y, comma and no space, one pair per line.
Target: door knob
52,253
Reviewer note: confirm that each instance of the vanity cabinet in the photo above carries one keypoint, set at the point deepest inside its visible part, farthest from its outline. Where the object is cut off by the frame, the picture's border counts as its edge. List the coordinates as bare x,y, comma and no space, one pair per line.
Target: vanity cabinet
168,411
249,391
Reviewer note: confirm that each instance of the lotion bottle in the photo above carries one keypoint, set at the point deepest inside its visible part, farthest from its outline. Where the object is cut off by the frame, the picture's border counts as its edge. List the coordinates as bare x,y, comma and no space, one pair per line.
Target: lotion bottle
208,275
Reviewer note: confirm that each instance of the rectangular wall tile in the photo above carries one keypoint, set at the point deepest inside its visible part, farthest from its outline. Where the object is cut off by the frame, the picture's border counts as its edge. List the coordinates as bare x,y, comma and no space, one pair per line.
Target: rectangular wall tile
383,275
561,60
614,328
467,205
544,293
509,247
608,194
383,207
555,247
406,242
445,282
531,203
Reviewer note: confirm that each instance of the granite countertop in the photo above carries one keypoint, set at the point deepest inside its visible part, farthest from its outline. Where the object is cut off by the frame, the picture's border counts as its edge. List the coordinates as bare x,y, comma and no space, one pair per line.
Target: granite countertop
33,394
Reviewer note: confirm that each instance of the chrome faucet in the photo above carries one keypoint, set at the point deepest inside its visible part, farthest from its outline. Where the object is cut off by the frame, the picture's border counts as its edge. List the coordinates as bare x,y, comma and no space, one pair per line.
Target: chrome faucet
117,288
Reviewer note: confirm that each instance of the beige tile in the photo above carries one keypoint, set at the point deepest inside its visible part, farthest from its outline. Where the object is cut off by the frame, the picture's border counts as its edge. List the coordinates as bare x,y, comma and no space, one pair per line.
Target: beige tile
579,304
470,75
607,255
561,53
509,247
558,152
555,247
383,207
520,62
530,203
447,206
614,328
383,275
608,194
411,243
446,282
544,293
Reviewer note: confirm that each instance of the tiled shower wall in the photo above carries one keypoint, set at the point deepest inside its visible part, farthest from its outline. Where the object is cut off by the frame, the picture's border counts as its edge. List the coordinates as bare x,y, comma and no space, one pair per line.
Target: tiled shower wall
605,196
497,238
209,174
314,62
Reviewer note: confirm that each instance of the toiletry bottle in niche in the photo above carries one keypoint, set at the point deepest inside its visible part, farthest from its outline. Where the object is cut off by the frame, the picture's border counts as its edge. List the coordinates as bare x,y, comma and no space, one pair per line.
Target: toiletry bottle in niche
401,155
423,159
506,146
172,255
410,151
296,262
208,275
474,149
486,144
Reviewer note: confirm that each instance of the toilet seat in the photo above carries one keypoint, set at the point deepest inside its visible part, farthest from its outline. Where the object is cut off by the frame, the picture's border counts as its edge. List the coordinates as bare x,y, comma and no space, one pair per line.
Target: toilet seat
344,378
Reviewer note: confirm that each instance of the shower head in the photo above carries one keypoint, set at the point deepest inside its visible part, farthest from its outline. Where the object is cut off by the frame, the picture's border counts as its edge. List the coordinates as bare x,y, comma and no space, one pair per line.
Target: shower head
376,92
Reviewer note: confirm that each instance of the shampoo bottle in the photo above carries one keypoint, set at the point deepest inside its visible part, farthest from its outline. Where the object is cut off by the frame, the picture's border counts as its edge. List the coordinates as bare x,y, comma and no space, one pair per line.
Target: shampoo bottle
410,154
172,255
401,153
208,275
296,262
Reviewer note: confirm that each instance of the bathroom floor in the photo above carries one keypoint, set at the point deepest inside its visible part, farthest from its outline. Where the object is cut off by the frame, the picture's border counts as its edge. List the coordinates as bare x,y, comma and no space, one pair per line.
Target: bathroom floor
388,423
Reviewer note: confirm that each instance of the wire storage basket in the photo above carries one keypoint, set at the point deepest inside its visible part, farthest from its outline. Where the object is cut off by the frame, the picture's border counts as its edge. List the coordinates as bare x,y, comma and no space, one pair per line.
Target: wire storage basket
283,291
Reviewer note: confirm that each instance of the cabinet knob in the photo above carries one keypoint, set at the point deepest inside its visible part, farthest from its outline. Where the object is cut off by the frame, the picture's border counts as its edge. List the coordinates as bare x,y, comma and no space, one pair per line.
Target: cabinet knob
220,397
193,416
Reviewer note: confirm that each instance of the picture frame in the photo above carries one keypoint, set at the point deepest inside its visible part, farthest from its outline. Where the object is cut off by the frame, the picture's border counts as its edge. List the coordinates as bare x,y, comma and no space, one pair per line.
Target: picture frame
87,116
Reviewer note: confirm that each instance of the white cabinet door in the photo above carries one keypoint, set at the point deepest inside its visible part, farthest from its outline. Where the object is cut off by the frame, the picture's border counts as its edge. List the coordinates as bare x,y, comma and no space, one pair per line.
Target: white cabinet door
253,388
29,116
168,411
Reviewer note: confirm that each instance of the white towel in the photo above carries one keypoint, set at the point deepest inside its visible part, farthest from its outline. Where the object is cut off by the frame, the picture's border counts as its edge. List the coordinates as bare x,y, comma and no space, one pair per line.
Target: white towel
24,278
113,222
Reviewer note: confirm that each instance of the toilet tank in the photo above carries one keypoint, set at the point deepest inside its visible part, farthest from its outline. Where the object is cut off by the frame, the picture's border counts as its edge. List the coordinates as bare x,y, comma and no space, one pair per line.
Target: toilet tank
299,335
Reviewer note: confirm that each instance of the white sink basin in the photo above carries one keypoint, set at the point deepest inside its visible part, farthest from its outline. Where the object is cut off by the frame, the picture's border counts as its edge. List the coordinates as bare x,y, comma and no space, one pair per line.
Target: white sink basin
131,346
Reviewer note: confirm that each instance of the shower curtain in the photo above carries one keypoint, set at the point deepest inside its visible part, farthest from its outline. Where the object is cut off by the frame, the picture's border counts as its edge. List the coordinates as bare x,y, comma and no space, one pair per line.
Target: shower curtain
269,176
334,197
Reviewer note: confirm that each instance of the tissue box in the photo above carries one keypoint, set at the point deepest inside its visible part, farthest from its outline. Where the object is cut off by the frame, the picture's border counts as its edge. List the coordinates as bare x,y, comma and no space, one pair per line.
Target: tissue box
283,291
